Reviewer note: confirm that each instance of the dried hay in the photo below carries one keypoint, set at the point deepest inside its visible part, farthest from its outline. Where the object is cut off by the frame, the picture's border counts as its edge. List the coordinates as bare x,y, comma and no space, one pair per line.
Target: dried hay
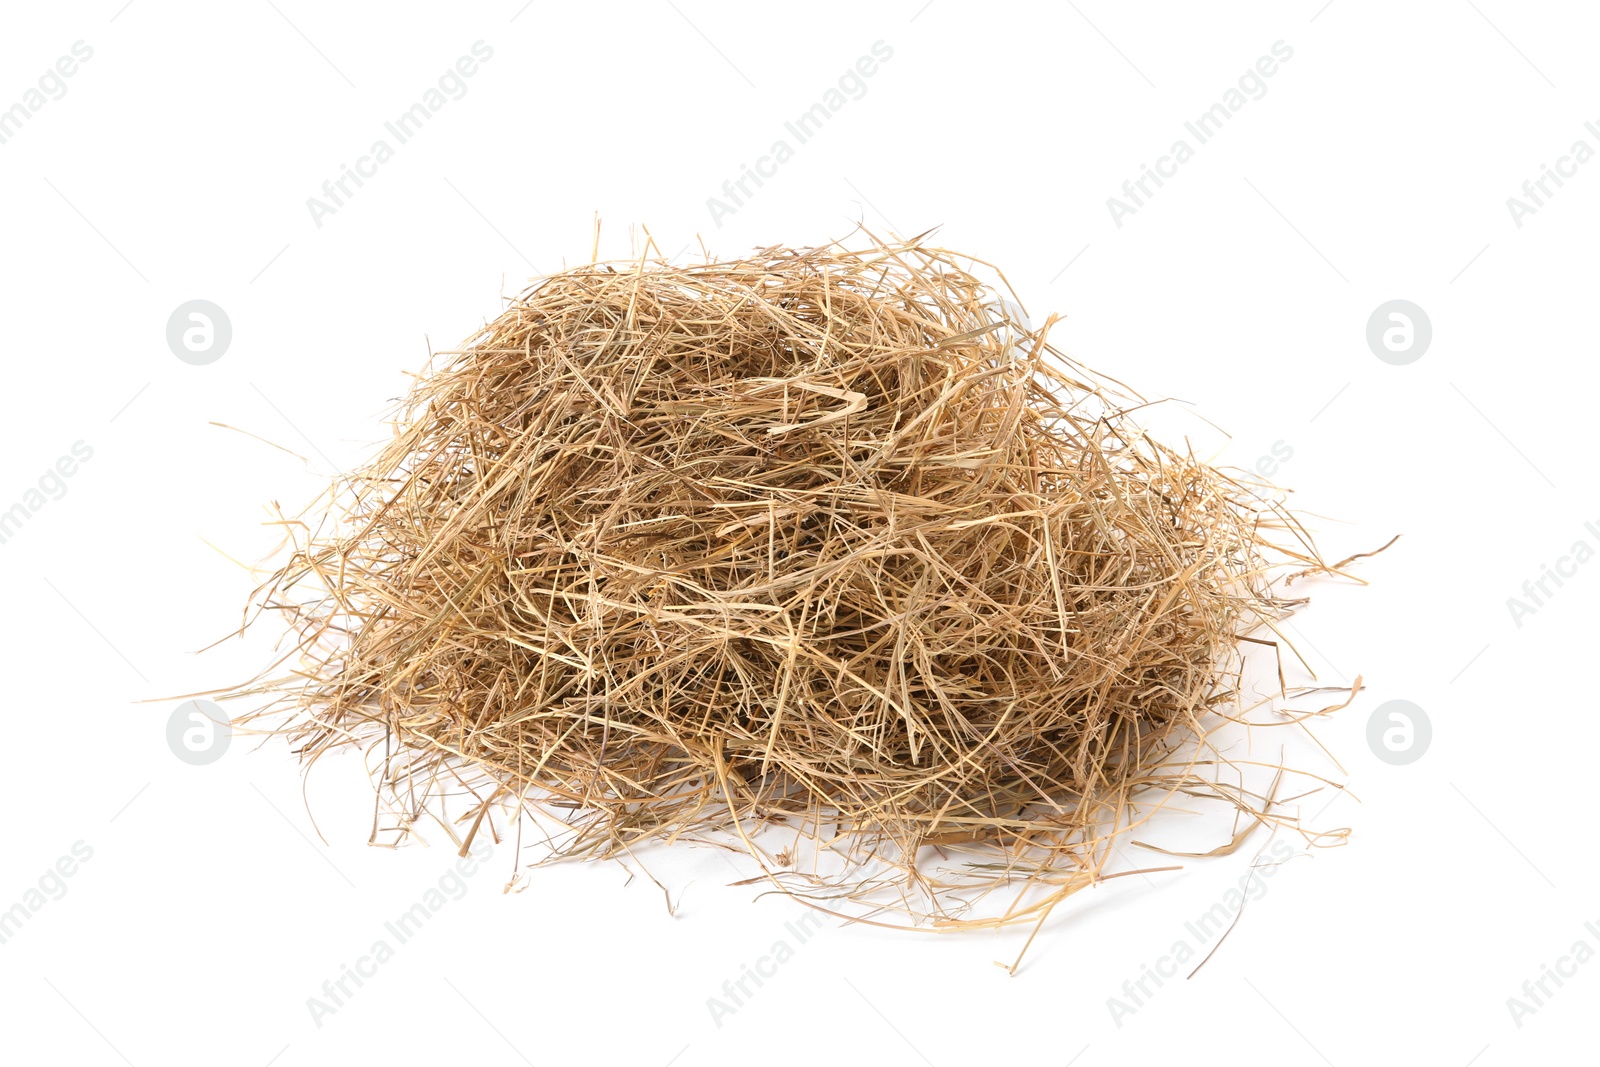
827,547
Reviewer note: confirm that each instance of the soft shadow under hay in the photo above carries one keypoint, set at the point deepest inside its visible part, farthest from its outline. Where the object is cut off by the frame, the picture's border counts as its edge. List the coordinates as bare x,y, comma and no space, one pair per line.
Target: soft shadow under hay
824,553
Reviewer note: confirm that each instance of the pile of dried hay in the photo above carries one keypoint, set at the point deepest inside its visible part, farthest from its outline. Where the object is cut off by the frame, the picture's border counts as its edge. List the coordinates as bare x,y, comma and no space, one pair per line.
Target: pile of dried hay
826,544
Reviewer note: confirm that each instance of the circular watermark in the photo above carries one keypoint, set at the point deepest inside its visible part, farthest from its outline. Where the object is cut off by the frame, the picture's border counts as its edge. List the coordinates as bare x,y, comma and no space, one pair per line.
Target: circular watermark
199,332
1399,732
1399,332
198,732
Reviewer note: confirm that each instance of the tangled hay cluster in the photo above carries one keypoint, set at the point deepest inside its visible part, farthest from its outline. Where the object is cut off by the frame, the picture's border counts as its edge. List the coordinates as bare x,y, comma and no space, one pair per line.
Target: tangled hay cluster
826,543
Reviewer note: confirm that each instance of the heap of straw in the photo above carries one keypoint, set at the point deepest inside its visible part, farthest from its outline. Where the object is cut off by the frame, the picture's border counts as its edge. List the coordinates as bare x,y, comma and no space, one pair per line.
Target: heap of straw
824,548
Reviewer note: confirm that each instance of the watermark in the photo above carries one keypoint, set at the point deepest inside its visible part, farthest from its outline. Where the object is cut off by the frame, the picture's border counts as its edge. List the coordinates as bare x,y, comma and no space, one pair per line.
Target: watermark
1272,461
1016,329
1536,592
51,885
52,85
452,885
199,332
198,732
736,992
52,485
1206,927
1536,191
1399,732
1399,332
1536,992
1252,85
451,85
852,85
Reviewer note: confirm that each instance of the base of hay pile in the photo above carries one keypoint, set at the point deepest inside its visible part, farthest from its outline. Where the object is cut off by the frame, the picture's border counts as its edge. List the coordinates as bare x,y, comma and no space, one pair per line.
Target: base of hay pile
822,553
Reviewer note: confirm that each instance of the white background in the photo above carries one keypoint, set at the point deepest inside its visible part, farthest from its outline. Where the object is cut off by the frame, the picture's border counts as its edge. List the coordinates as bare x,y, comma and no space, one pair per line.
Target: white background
1377,166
